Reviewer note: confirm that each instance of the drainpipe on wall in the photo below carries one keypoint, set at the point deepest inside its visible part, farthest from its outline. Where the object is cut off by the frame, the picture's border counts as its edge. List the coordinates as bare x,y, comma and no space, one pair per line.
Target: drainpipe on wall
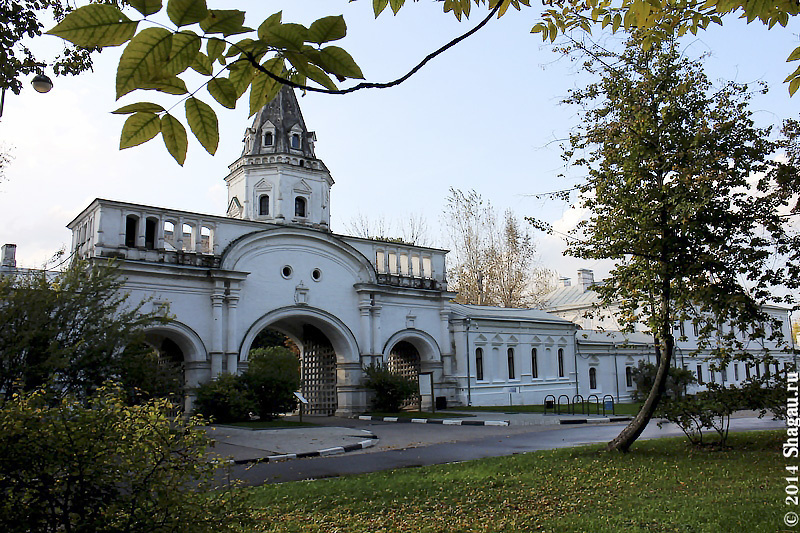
575,357
469,372
616,368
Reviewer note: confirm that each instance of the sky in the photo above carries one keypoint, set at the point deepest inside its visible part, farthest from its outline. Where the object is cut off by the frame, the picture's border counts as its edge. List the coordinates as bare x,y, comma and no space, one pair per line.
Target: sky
485,115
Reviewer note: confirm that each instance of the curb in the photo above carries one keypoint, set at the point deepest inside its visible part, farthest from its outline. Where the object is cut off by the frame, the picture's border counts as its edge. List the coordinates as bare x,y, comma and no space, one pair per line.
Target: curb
442,421
567,421
319,453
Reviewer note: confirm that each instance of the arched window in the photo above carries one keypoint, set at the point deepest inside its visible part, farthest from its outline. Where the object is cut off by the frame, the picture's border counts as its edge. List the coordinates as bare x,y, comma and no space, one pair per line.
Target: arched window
628,376
263,205
593,378
534,364
479,363
268,138
131,230
150,225
300,207
561,362
511,373
295,141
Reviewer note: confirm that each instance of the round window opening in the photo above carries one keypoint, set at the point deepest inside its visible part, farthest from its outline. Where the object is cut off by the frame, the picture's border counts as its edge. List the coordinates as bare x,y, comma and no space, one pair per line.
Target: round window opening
316,274
286,272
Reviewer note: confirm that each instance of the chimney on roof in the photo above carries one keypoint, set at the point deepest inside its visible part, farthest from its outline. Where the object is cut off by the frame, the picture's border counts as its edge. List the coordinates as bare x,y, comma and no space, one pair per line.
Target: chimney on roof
8,256
564,282
585,278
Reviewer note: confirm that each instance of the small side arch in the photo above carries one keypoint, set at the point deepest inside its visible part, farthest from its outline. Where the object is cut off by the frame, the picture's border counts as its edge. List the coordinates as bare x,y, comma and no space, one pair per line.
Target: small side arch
426,345
190,343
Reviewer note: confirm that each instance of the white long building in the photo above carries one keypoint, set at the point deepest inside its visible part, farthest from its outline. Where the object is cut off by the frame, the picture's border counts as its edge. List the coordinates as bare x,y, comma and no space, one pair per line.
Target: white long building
273,262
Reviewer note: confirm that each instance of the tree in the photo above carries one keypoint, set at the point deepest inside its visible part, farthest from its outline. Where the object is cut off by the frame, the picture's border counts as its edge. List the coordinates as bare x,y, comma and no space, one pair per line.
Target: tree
390,389
682,195
490,264
411,229
21,20
68,330
106,466
272,377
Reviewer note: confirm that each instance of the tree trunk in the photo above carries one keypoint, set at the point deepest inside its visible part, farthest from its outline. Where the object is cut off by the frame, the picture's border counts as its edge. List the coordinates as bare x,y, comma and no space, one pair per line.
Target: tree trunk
628,436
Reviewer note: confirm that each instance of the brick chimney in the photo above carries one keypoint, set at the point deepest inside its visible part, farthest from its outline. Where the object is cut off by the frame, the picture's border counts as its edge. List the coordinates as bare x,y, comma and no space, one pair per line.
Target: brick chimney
585,278
8,256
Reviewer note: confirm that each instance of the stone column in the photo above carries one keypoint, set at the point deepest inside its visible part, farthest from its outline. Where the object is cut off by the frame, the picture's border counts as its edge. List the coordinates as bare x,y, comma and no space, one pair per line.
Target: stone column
377,340
365,339
232,347
217,300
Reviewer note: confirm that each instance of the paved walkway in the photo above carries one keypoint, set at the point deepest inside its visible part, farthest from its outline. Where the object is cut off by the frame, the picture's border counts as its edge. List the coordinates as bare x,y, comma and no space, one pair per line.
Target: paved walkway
332,436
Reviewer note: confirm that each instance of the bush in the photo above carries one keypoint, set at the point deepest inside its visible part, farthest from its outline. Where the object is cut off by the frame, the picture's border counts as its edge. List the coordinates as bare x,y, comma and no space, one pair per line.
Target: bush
100,465
390,389
644,375
271,379
712,409
225,399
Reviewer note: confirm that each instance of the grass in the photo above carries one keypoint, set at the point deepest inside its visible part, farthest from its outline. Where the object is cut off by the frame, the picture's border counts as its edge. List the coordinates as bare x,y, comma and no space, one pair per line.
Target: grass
418,414
269,424
661,486
619,409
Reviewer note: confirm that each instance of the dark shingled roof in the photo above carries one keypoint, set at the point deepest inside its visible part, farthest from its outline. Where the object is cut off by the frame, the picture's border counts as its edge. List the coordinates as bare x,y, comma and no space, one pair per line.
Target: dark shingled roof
284,113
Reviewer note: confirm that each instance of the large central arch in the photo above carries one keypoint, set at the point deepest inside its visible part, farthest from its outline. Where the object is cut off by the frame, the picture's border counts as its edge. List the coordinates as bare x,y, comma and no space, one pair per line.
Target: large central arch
293,321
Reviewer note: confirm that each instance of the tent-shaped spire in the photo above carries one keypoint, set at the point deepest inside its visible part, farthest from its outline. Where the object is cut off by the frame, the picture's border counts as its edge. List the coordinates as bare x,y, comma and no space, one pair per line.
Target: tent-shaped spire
279,128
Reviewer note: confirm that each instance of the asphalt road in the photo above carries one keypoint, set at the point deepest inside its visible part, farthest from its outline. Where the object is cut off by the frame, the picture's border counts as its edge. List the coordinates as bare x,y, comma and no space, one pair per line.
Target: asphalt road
403,446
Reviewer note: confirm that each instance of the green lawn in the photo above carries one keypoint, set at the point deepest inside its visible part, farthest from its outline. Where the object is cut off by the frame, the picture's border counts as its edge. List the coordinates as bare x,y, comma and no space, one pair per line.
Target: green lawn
418,414
619,409
269,424
662,485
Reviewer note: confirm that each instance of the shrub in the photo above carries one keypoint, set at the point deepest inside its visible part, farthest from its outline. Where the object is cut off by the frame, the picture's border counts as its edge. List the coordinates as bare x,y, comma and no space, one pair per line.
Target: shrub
390,389
271,380
225,399
644,376
101,465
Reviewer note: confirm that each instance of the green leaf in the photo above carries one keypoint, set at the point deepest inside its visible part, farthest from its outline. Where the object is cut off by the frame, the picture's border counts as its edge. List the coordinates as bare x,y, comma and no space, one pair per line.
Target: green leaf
319,76
793,86
327,29
272,20
263,88
795,55
203,123
95,25
172,85
378,6
146,7
145,107
185,12
139,128
202,65
185,47
215,48
175,139
338,62
143,59
288,36
241,75
396,5
224,21
223,92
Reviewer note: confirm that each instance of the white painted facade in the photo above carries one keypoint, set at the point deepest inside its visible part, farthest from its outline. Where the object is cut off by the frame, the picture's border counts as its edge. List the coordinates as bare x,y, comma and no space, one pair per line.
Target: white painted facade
273,263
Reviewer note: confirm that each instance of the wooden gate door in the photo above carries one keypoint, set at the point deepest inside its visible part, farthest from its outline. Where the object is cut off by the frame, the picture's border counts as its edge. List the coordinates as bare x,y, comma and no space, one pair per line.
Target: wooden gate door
404,360
318,373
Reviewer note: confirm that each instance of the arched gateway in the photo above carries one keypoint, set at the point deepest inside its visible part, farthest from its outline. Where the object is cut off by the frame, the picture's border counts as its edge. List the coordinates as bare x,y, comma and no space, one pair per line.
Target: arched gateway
329,354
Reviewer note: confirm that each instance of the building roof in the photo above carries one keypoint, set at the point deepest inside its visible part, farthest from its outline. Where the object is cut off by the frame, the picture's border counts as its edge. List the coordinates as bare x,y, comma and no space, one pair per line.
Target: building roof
506,313
571,296
282,113
590,336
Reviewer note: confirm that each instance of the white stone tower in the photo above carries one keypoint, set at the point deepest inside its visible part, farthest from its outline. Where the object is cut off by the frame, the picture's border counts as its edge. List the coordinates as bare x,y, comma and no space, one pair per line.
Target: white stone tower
278,178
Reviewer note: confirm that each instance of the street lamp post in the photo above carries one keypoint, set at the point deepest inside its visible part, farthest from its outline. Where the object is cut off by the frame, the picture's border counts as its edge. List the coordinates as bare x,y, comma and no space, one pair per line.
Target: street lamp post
41,84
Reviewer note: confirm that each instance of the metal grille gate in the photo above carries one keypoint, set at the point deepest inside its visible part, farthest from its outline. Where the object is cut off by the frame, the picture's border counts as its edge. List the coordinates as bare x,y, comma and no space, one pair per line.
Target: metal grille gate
404,360
318,373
